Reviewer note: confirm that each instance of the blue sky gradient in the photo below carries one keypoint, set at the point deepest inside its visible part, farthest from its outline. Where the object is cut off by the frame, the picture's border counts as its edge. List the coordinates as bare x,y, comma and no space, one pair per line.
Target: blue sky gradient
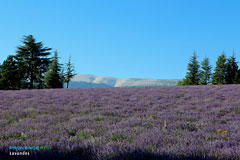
125,39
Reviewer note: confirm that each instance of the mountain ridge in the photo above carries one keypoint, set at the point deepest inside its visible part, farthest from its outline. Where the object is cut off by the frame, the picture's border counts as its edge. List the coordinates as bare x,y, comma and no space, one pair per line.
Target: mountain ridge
93,81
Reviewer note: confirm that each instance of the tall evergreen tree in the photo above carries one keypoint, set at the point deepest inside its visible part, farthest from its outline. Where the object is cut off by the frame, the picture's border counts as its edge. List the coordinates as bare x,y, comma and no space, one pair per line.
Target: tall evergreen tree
192,76
1,86
184,82
231,70
205,72
10,77
70,73
53,77
219,75
238,77
33,60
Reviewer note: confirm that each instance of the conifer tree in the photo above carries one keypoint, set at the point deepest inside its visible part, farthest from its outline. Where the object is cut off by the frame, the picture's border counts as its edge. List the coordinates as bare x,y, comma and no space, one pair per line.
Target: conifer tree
219,75
1,86
33,61
53,77
231,70
205,72
192,76
184,82
10,77
180,82
70,73
238,77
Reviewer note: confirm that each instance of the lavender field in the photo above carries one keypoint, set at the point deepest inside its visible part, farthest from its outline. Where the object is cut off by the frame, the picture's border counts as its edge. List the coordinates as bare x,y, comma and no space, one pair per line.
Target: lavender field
180,122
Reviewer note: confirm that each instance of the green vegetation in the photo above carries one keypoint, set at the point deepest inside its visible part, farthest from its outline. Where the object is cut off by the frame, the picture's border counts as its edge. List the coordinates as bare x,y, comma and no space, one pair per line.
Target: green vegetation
232,70
33,62
70,72
205,72
53,77
219,76
71,132
32,68
84,135
20,136
118,138
98,119
237,110
225,72
179,95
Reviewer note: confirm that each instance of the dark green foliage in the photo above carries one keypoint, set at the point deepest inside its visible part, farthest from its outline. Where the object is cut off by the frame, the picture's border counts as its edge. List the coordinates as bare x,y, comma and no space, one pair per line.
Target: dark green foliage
32,61
179,95
205,72
28,68
98,119
231,70
70,72
10,76
184,81
238,77
236,111
192,77
118,138
1,86
54,78
225,72
72,132
219,76
84,135
180,83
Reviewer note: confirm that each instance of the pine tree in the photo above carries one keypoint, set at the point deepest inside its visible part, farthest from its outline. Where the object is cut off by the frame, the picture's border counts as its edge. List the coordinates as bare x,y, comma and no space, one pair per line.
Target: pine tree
53,77
184,82
205,72
32,59
219,75
231,70
10,77
238,77
70,73
192,76
1,86
180,83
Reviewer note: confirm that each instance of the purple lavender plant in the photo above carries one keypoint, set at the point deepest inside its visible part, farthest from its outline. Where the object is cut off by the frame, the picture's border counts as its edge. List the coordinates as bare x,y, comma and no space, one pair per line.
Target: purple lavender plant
195,122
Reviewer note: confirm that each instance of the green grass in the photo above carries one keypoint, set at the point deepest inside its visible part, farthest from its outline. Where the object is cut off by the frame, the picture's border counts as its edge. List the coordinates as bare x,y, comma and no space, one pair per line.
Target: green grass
109,114
22,116
71,132
118,138
85,112
11,121
98,119
237,110
20,136
84,135
32,117
147,126
130,140
179,95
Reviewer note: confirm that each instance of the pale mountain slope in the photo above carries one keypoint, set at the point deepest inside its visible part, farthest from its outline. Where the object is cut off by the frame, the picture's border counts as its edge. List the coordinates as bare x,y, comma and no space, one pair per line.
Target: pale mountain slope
93,81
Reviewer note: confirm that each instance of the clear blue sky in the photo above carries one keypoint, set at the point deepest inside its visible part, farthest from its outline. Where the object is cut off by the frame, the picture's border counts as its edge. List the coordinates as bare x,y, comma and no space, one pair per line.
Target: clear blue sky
125,38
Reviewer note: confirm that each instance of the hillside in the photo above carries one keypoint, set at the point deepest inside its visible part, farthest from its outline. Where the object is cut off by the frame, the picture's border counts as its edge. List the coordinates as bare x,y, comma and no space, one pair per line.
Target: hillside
93,81
176,122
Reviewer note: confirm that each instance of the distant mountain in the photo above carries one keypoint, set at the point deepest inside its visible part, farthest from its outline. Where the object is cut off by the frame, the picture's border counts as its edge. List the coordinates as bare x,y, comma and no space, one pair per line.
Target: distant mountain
93,81
87,85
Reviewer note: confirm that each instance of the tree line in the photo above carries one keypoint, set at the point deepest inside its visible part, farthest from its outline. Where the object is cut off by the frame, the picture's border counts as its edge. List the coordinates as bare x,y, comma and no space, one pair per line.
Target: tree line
225,72
31,68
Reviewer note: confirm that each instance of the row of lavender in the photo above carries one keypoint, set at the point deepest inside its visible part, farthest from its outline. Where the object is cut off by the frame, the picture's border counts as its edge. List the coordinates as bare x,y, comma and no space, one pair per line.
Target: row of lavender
173,122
